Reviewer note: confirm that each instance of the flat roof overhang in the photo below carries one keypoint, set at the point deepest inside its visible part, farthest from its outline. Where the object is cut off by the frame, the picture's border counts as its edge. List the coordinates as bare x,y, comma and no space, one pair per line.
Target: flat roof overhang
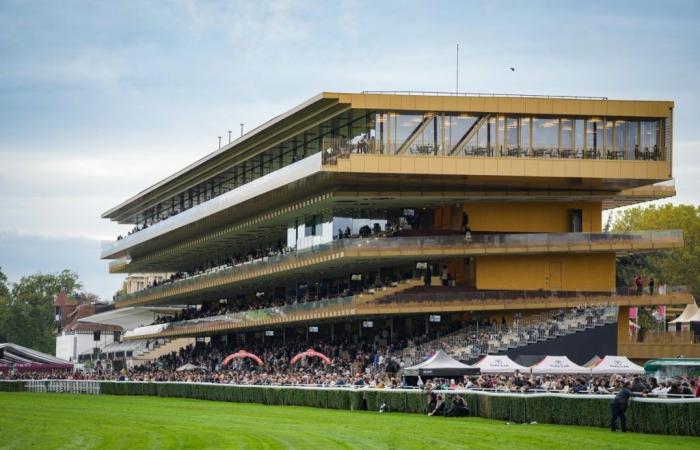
179,256
130,318
328,104
387,174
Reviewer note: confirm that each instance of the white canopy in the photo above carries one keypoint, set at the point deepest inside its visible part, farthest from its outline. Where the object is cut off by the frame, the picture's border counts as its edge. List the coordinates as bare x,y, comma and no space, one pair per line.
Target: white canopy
499,364
440,364
689,314
189,366
616,364
131,317
558,365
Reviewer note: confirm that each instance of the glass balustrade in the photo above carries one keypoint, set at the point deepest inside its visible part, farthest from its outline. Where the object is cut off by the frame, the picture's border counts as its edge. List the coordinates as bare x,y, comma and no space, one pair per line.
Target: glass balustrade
527,241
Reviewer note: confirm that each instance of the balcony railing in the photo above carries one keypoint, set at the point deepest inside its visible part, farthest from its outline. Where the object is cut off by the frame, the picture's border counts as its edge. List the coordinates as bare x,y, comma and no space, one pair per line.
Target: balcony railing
338,148
359,305
477,244
482,94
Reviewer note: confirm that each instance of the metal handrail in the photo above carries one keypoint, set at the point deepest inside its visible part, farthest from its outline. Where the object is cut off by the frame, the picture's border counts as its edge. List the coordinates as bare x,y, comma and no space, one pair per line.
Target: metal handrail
526,240
484,94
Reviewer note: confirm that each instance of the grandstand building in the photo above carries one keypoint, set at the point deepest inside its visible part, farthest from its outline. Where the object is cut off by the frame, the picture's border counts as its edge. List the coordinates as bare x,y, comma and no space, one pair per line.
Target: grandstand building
401,214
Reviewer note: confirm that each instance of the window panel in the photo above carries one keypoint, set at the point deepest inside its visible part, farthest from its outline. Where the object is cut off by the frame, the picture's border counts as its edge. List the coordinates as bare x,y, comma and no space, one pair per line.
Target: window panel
546,133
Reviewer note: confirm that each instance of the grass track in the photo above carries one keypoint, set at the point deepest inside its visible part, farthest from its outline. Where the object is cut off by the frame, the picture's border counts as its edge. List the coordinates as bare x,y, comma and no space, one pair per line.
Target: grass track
38,421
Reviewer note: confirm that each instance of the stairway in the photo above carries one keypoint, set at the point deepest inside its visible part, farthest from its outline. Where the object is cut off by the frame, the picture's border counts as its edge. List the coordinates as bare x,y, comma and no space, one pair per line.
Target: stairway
169,347
386,291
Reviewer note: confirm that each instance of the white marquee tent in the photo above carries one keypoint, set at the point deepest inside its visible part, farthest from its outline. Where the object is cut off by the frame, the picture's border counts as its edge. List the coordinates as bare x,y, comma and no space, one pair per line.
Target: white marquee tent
499,364
558,365
616,364
691,313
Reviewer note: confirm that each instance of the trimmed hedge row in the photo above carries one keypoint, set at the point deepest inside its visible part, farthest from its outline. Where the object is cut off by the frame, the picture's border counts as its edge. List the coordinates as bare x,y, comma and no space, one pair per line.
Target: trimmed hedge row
12,386
644,417
677,418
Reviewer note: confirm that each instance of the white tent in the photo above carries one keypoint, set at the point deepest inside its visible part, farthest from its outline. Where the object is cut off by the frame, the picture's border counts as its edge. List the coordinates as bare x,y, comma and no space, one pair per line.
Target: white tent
558,365
189,366
499,364
440,364
689,314
616,364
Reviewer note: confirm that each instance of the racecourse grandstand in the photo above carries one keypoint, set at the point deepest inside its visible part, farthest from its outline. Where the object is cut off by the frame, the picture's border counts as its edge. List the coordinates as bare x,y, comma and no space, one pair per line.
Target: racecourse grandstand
392,225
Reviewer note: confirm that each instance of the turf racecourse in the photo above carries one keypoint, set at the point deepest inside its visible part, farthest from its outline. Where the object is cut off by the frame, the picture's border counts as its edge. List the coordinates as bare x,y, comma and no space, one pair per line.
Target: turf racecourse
36,421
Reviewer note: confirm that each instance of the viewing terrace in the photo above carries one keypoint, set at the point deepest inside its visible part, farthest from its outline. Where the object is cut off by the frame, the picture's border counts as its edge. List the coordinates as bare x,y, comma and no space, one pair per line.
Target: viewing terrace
443,301
373,252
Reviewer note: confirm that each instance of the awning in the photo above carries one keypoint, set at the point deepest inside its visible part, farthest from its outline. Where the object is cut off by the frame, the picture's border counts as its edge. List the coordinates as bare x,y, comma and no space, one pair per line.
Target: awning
131,317
689,314
440,365
23,358
499,364
558,365
616,364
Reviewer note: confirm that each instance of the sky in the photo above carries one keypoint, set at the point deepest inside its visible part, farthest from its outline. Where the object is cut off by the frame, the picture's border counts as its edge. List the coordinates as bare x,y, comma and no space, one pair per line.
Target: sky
99,100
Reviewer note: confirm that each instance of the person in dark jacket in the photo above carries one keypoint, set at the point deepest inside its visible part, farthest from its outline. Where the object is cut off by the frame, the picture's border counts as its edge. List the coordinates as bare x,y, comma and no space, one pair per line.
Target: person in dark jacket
439,407
459,408
619,406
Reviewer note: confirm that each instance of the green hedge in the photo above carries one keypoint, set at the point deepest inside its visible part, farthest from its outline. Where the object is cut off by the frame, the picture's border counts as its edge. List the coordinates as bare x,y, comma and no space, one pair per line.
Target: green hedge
645,417
12,386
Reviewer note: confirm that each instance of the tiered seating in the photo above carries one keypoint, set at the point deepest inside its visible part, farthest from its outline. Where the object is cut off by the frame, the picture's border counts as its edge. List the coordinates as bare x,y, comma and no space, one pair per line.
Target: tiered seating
475,341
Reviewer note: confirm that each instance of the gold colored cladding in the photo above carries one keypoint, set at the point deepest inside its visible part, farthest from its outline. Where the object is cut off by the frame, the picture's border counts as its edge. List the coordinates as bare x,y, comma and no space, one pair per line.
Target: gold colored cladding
240,226
204,283
505,105
360,309
502,167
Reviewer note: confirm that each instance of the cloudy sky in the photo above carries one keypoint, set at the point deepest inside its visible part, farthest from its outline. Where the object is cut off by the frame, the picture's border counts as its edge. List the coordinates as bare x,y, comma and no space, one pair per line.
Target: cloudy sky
99,100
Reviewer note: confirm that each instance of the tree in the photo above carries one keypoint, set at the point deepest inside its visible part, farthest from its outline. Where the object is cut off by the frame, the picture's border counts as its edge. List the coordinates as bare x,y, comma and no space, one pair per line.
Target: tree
27,315
674,267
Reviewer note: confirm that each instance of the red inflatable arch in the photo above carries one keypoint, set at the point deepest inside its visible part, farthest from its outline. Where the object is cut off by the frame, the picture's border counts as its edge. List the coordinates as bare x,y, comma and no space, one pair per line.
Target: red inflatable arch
240,355
311,353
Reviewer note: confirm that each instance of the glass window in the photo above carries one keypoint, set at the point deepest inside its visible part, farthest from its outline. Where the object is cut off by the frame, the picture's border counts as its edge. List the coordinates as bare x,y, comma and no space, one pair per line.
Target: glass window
609,144
620,141
512,133
579,130
430,140
632,139
405,125
594,134
546,133
455,129
650,135
525,132
567,141
491,133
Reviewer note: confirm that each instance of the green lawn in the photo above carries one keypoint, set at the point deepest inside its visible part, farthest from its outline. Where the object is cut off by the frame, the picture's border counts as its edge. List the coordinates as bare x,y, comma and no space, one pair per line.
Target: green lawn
33,421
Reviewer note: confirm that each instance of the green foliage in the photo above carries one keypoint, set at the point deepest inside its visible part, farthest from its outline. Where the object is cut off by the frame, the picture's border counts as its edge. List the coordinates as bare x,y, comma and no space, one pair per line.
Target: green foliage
12,386
643,417
675,267
26,310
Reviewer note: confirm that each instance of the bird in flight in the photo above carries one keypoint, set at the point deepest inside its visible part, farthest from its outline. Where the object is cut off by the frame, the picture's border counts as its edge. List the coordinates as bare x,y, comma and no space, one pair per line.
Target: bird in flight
512,69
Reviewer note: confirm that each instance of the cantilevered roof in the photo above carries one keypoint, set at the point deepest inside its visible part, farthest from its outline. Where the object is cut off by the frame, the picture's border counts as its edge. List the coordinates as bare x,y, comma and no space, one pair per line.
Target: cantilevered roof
130,318
329,104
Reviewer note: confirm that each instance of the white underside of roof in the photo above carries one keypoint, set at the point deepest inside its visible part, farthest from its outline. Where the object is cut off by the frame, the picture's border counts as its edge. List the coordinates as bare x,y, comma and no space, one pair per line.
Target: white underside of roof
130,317
267,183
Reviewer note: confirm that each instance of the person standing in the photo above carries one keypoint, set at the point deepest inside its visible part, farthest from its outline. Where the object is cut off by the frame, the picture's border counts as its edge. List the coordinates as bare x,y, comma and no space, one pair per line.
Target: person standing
465,222
619,406
639,283
651,286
